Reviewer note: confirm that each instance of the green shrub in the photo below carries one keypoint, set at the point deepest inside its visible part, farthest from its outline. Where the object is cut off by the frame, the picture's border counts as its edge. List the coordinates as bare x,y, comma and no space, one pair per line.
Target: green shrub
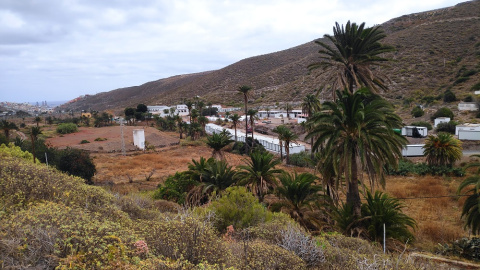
422,124
447,127
406,167
449,96
84,142
50,235
175,188
77,162
15,151
460,80
242,149
238,207
100,139
301,159
468,98
183,237
66,128
476,86
443,112
417,112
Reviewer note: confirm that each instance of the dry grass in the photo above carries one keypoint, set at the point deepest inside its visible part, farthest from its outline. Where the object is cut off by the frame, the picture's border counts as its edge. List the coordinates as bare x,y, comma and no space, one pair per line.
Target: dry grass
438,219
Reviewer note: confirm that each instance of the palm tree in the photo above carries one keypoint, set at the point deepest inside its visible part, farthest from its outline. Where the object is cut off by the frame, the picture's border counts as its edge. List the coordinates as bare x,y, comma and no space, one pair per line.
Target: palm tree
310,105
287,137
280,130
189,105
288,107
252,115
259,173
180,125
245,90
357,133
34,132
213,175
203,121
355,50
443,149
218,141
268,112
235,119
7,126
299,198
471,209
38,119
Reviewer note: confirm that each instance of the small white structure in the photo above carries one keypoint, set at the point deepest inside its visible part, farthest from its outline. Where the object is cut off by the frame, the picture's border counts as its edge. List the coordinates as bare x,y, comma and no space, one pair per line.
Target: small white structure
408,131
440,120
158,110
467,106
468,132
302,118
139,138
413,150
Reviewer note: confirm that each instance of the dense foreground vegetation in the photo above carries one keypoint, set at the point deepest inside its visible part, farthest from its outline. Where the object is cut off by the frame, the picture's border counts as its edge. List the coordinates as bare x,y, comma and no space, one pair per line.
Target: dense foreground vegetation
49,219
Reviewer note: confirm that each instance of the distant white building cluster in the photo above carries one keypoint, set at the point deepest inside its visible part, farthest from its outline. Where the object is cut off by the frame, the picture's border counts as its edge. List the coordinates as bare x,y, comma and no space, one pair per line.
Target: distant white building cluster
181,109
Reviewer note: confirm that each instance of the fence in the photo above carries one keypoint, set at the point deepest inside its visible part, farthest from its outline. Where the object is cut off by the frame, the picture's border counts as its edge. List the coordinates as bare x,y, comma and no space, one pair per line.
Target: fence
270,144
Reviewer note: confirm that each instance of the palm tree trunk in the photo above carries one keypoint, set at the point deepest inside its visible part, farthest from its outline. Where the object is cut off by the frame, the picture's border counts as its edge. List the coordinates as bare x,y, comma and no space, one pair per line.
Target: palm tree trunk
311,148
281,150
287,150
353,195
235,126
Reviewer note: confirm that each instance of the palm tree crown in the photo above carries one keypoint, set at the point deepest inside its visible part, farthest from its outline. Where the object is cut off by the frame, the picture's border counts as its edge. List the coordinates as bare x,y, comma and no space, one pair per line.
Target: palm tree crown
443,149
355,50
259,173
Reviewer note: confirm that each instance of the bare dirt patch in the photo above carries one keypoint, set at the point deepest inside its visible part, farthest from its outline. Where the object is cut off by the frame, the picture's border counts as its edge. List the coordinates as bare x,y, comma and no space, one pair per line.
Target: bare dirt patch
113,142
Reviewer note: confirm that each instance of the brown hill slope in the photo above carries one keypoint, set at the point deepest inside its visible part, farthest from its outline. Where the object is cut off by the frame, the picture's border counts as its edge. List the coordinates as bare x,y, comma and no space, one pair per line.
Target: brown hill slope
436,50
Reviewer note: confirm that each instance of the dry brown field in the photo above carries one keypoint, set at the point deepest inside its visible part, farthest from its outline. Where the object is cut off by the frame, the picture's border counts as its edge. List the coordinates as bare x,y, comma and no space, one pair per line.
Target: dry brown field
430,200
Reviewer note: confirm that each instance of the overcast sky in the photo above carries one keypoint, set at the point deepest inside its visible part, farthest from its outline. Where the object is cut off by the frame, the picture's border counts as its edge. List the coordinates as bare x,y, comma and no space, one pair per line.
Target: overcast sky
60,49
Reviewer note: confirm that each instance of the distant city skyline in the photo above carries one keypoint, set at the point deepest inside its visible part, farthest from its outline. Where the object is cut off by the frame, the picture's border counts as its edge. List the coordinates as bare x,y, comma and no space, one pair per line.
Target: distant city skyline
59,50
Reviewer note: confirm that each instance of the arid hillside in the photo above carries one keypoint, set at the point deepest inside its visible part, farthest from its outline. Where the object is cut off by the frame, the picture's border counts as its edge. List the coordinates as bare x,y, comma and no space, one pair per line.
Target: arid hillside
436,50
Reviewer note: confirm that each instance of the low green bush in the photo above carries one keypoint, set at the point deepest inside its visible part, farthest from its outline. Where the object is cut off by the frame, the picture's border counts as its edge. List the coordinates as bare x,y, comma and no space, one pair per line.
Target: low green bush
422,124
302,159
406,167
238,207
100,139
66,128
417,112
84,142
447,127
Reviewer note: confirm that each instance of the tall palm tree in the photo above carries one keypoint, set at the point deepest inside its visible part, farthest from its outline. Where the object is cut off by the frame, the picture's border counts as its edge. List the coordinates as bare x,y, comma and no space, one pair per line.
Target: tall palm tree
357,133
235,119
7,126
245,90
268,112
259,173
299,198
287,137
37,120
471,207
310,105
203,121
443,149
288,107
34,132
189,105
252,115
217,141
349,61
280,131
180,125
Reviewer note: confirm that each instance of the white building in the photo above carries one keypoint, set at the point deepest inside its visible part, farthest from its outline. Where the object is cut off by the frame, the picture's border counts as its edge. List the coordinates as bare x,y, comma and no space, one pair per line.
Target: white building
467,131
440,120
408,131
158,110
467,106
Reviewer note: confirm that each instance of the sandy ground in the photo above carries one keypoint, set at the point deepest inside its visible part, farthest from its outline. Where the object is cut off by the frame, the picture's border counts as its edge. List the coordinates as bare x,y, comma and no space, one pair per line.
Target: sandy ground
114,141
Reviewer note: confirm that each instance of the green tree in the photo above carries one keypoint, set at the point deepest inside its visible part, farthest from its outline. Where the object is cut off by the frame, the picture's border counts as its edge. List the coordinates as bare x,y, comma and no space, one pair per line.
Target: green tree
77,162
280,130
449,96
259,173
288,107
129,113
349,61
299,197
310,105
34,133
245,91
142,108
287,137
357,133
235,119
203,121
217,141
38,119
382,210
189,105
252,115
443,112
471,207
6,127
442,150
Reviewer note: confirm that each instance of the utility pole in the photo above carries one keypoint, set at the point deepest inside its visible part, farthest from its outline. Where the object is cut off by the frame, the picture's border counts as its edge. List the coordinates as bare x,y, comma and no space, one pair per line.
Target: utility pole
123,139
